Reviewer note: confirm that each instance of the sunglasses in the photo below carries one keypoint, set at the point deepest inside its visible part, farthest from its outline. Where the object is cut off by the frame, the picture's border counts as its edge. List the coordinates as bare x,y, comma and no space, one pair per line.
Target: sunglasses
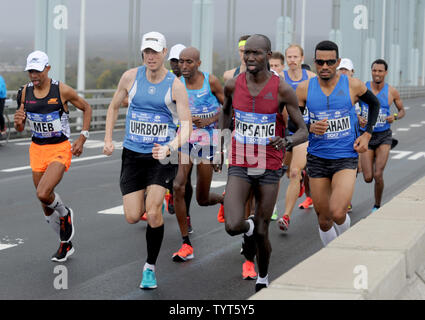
328,62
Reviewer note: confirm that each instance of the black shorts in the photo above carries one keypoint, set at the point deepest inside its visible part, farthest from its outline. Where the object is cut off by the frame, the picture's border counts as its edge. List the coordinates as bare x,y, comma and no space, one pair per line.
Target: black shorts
257,176
326,168
378,138
139,171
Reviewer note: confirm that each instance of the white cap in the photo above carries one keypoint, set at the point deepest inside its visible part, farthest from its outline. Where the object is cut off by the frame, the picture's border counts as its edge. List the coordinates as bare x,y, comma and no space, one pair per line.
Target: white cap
175,51
153,40
346,64
37,60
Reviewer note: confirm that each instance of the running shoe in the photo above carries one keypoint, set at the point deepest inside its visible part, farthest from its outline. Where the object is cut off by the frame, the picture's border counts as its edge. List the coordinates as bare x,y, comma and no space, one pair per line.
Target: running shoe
308,202
302,186
149,280
144,217
67,226
189,225
220,215
275,214
374,209
65,250
284,223
185,253
350,208
170,203
248,271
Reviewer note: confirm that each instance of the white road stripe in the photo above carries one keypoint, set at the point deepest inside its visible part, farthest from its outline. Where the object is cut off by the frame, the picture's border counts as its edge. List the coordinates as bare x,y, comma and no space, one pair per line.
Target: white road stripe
415,125
73,160
4,246
403,129
114,210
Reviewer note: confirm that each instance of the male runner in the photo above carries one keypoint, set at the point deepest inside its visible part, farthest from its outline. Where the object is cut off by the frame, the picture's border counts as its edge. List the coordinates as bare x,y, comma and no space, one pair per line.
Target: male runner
3,92
334,142
205,96
258,97
44,104
173,58
157,101
277,62
375,159
229,74
296,157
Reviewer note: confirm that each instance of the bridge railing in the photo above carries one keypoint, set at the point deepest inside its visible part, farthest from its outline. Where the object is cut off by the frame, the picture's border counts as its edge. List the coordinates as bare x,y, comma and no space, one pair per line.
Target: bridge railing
100,99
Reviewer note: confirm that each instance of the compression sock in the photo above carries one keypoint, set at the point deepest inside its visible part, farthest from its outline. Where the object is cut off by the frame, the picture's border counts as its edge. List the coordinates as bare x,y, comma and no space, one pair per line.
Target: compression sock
58,205
154,238
343,227
327,236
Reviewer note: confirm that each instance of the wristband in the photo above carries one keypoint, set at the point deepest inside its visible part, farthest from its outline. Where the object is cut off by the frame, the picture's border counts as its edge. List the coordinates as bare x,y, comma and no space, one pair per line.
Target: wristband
395,116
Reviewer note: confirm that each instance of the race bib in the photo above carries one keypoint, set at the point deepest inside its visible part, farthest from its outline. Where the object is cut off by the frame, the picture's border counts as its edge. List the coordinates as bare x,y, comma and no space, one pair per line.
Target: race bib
147,128
45,125
204,112
382,117
254,128
339,124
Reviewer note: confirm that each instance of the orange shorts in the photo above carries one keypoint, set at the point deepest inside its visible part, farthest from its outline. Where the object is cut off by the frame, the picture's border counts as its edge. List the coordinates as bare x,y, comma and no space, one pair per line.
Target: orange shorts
43,155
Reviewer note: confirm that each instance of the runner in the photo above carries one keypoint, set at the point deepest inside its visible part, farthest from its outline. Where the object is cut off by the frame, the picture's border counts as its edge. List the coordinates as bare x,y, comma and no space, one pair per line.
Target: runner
205,96
229,74
157,101
334,143
258,98
375,159
173,58
277,63
44,103
295,158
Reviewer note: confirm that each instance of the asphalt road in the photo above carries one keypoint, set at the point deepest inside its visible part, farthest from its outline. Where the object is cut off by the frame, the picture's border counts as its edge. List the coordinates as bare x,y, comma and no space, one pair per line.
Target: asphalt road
110,253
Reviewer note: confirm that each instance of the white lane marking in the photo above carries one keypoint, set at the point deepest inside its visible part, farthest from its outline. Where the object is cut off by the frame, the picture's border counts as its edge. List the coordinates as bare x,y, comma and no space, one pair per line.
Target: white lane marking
114,210
416,125
403,129
4,246
73,160
400,154
215,184
417,156
423,122
407,108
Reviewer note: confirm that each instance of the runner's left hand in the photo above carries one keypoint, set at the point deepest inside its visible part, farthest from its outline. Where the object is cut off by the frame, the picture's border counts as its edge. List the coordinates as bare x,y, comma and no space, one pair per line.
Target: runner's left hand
361,144
277,142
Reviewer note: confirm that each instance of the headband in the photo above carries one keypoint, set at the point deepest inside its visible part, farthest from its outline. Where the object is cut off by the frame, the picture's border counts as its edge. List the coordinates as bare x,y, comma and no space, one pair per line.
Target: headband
242,43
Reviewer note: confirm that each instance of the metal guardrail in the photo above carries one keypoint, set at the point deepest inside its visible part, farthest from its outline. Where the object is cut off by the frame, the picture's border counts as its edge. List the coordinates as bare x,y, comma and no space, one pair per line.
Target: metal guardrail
100,99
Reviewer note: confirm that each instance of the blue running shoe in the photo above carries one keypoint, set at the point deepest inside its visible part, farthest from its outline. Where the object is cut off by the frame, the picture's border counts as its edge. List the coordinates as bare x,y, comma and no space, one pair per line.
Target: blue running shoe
374,210
149,280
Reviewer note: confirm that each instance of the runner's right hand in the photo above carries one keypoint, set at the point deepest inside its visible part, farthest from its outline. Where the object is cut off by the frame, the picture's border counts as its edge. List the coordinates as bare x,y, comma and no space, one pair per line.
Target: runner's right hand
362,122
319,127
19,117
108,148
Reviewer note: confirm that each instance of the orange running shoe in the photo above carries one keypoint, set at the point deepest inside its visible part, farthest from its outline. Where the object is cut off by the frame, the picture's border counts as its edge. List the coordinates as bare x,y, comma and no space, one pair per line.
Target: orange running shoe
283,223
308,202
144,217
185,253
220,215
248,271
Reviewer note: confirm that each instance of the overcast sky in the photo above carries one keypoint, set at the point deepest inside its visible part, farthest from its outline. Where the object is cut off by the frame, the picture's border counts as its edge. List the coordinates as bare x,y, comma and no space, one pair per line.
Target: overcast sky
110,17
